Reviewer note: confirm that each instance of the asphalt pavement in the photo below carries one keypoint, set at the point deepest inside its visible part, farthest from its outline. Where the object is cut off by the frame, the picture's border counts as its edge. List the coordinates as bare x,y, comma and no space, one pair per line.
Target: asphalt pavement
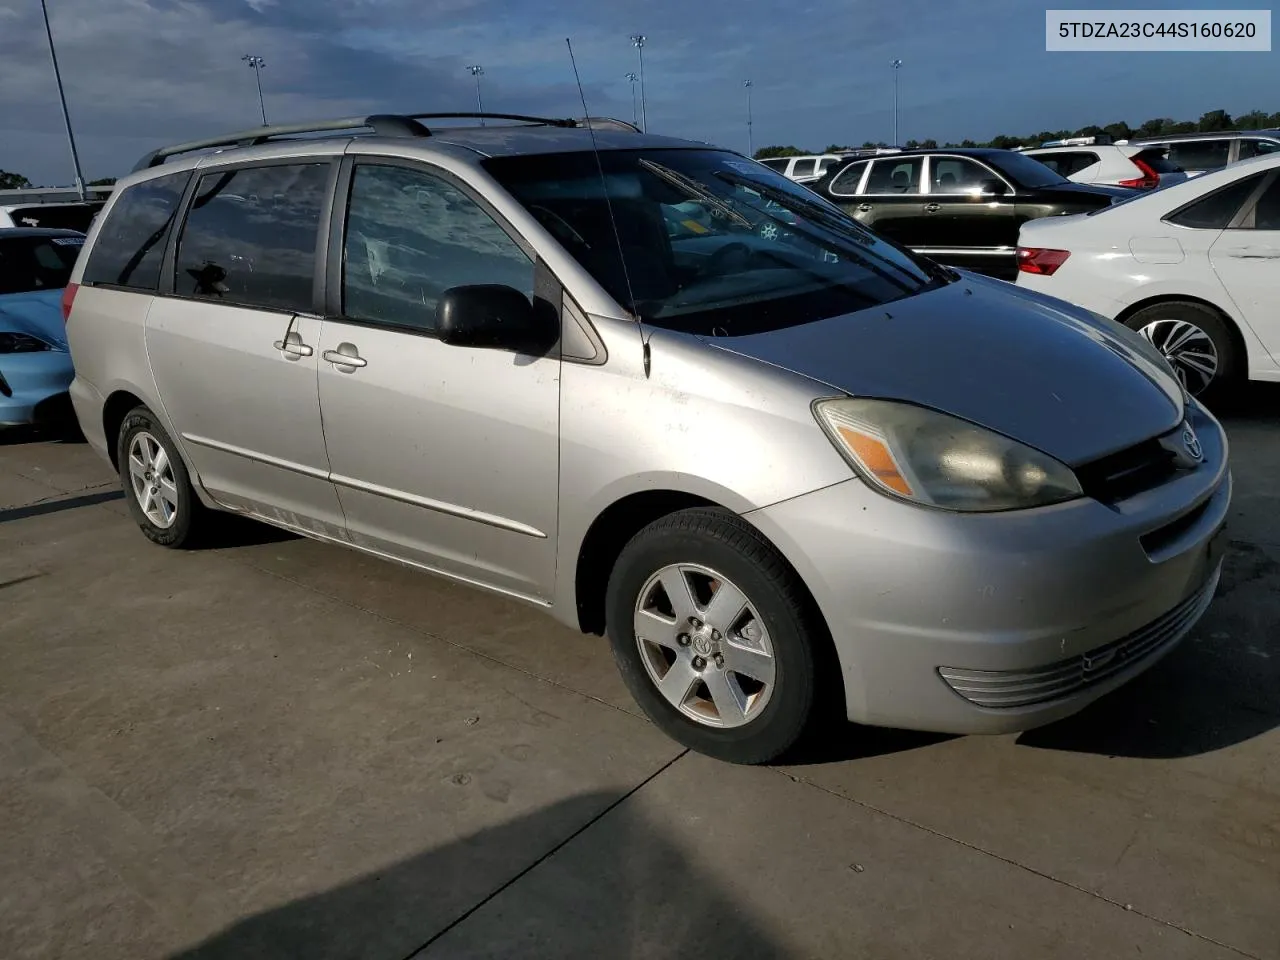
278,748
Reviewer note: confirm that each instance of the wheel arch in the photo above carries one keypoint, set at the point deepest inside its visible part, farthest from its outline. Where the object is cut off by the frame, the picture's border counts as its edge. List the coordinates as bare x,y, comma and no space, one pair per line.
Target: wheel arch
114,410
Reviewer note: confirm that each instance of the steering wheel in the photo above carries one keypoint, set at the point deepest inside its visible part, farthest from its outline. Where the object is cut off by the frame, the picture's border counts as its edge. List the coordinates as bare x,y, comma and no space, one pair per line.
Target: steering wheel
731,258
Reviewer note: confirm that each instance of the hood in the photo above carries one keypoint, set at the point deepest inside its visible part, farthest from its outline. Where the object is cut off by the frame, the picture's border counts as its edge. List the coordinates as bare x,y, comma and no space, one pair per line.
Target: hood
1057,378
1081,190
37,313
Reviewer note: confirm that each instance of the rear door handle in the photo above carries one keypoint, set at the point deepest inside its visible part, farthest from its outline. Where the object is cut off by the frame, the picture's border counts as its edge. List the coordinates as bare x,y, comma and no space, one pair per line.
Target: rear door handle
345,356
932,207
1254,253
293,347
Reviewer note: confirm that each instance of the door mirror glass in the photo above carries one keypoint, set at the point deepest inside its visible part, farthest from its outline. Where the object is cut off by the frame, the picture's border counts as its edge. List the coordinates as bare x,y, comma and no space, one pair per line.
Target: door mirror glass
993,188
494,316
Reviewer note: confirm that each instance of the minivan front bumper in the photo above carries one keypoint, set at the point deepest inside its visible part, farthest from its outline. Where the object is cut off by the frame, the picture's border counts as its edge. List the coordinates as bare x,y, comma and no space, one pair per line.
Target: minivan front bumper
994,623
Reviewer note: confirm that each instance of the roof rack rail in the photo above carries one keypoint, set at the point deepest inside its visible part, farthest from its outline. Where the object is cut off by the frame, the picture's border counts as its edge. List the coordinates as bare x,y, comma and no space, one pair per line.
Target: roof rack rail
382,125
387,125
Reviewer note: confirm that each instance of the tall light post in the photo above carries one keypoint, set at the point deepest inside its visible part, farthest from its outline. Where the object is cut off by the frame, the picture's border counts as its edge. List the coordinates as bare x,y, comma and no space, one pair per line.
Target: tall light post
477,71
635,117
637,41
257,63
897,65
66,117
751,146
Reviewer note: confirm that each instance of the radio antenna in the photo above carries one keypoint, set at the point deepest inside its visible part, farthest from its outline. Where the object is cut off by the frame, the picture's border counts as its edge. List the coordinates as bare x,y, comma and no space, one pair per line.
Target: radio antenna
613,222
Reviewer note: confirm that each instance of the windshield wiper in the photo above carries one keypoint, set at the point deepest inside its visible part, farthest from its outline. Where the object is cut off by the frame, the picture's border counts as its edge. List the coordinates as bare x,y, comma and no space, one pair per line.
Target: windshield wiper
698,190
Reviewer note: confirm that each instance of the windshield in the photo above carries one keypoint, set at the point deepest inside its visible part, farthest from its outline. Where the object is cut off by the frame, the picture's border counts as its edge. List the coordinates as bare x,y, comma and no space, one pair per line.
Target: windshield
711,243
37,263
1027,171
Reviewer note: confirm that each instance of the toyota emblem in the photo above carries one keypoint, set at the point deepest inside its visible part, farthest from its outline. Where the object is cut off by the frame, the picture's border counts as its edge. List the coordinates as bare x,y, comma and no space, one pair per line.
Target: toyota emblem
1191,442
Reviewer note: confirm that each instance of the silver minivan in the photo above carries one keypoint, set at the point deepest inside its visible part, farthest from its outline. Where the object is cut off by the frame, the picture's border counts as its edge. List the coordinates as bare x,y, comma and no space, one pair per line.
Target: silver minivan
780,468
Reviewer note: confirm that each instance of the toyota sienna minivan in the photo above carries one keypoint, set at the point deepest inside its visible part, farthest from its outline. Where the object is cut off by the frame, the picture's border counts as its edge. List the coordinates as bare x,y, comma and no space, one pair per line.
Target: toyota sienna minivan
665,394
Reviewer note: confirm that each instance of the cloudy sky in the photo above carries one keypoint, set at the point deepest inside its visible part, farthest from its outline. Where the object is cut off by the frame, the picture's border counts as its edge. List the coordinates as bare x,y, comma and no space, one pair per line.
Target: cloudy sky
141,73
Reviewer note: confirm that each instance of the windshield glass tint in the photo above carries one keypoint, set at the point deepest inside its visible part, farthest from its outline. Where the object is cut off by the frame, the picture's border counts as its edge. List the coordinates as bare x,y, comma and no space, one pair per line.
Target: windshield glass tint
1028,171
37,263
711,243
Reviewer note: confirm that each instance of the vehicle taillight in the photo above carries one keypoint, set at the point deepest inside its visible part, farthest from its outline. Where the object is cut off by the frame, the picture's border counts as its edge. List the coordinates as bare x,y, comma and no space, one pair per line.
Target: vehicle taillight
68,298
1041,261
1149,179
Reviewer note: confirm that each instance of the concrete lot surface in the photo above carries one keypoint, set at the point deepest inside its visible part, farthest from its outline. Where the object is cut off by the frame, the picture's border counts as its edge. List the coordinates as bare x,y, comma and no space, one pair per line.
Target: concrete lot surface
278,748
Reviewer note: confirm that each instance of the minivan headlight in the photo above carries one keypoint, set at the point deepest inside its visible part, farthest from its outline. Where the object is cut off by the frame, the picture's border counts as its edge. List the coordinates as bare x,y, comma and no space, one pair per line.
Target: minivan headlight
942,461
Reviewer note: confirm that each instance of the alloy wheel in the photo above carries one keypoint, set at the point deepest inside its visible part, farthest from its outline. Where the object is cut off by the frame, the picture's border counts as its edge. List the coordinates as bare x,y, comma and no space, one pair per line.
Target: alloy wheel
1189,350
151,475
704,645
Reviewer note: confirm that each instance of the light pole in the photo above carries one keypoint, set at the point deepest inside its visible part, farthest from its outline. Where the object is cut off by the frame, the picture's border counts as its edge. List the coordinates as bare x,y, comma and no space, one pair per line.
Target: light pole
897,65
635,117
258,63
477,71
751,146
637,41
66,117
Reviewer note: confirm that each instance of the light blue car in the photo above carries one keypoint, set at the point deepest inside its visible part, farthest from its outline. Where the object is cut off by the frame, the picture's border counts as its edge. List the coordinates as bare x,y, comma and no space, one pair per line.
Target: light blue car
35,364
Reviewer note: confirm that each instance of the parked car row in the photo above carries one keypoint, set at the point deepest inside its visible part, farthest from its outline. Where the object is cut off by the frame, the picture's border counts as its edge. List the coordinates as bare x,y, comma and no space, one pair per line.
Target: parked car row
667,394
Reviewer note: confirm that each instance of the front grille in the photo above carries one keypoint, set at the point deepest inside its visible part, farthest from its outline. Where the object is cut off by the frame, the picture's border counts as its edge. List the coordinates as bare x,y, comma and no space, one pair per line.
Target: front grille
1024,688
1132,470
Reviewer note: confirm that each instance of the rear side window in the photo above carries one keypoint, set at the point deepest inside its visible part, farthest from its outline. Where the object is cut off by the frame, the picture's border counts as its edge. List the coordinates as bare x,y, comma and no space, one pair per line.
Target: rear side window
131,242
250,237
36,263
895,176
1066,164
846,182
805,168
1257,148
1265,214
776,163
1216,210
1200,154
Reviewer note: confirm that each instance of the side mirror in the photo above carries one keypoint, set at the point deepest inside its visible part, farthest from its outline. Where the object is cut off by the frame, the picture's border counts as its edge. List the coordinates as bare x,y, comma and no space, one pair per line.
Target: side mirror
993,188
494,316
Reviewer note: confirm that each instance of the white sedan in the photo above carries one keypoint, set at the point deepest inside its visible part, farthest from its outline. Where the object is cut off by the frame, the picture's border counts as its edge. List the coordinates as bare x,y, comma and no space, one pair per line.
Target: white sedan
1194,267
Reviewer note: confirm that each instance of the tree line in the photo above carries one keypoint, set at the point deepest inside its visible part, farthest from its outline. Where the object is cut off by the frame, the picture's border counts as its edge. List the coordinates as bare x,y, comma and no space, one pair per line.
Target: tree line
16,181
1211,122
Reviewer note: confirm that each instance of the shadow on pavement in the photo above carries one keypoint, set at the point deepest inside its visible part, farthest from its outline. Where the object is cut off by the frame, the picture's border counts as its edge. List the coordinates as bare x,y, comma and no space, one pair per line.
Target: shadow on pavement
57,506
230,530
1220,687
623,890
839,740
1255,403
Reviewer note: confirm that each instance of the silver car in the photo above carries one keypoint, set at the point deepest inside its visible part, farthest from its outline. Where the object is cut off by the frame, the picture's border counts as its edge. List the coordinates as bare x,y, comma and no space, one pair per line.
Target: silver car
779,476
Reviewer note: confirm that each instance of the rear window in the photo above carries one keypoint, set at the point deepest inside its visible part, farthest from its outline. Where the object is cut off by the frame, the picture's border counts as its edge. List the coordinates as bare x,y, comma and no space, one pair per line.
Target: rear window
1216,210
1066,164
37,263
130,244
56,216
1157,160
1200,154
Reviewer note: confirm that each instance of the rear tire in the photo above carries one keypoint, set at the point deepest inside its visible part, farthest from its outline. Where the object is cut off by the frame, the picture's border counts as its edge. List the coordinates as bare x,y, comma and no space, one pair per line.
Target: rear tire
739,674
156,484
1198,343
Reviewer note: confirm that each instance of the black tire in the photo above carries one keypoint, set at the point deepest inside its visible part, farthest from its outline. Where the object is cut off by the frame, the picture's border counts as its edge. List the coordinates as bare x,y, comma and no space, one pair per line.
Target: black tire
1226,344
723,542
191,521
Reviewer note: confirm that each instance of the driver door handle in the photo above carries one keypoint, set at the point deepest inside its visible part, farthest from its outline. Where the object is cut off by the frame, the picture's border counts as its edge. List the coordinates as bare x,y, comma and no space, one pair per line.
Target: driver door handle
349,357
864,208
932,207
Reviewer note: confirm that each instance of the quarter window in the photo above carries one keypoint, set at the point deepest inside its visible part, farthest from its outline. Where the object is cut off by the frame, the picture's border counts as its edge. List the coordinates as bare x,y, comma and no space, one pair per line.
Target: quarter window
1216,210
895,176
1200,154
410,237
1257,148
957,175
130,244
1265,214
250,237
846,182
804,168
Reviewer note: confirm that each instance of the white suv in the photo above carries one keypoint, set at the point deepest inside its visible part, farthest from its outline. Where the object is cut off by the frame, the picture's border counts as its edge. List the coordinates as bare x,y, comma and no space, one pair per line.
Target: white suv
1143,167
803,169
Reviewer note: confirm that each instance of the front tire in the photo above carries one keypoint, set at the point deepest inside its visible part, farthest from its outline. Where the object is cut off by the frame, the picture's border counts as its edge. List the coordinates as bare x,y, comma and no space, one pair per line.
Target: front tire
1197,343
156,484
715,636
